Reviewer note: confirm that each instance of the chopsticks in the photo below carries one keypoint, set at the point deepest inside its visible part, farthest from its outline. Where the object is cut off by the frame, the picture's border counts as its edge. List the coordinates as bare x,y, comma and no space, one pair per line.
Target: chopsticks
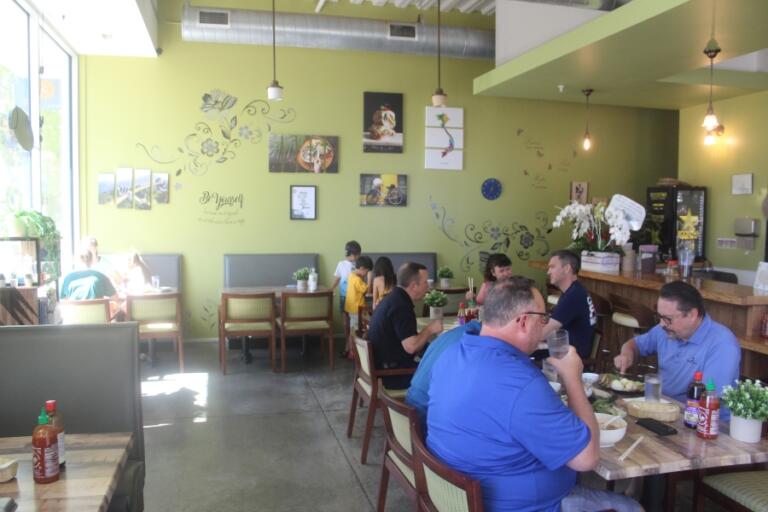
629,450
471,283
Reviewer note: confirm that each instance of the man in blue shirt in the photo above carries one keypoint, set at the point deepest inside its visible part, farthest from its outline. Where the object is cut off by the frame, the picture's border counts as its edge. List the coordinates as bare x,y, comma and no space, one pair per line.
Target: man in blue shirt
574,311
493,415
686,340
418,393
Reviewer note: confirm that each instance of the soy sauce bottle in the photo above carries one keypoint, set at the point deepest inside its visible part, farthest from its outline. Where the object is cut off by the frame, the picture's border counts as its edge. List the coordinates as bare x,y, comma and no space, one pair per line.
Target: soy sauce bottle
695,391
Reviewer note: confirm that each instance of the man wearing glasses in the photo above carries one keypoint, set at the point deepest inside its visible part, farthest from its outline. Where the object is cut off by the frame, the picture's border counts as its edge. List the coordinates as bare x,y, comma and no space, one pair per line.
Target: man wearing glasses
686,340
493,416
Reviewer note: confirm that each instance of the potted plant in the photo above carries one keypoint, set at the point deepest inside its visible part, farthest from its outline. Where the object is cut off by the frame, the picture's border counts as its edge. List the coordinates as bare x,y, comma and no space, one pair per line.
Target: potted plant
37,225
301,276
748,402
445,274
435,299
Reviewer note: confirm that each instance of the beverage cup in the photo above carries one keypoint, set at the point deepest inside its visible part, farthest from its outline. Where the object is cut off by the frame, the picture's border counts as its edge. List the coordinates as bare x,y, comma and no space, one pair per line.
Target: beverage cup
431,283
557,343
155,282
652,387
549,371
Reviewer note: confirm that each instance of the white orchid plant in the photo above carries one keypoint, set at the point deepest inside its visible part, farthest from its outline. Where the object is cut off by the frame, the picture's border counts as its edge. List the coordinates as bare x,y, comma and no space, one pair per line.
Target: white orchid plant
594,227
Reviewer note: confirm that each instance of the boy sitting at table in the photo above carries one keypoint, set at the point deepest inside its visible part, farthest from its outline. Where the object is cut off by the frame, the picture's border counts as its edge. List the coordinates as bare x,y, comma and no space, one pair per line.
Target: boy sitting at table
356,290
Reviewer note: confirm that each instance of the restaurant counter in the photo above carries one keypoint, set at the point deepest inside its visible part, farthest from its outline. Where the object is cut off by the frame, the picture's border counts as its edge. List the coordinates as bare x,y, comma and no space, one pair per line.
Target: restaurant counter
733,305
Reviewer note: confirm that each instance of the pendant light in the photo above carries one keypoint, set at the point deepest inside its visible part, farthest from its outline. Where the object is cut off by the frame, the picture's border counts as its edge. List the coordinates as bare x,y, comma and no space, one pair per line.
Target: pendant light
711,124
274,91
439,96
587,142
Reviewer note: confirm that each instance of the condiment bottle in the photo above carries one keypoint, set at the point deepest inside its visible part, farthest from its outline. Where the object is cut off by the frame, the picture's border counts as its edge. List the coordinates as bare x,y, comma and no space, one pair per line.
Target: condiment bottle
764,326
45,451
55,419
709,413
695,391
461,315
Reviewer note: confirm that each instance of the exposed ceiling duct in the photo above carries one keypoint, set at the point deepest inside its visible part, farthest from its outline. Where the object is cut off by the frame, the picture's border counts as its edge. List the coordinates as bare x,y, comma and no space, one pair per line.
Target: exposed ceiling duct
238,26
598,5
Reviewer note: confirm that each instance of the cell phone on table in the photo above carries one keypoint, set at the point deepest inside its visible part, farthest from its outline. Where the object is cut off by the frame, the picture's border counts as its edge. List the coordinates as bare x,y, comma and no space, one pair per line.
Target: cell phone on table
656,426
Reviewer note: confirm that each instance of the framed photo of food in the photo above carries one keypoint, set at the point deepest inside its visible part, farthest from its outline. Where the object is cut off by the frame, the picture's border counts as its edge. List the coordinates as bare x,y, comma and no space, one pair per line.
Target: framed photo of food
383,122
318,154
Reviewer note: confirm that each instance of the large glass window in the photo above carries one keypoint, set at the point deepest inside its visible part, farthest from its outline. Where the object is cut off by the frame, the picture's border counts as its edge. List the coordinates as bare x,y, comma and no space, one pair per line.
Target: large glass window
15,162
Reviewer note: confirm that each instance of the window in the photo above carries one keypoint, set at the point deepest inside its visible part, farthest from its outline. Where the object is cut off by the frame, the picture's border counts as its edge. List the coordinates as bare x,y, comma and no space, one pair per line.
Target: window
42,178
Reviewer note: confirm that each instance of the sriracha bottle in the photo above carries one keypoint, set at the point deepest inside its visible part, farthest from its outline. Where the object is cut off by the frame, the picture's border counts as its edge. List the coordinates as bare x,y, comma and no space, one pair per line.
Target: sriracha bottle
709,413
55,419
45,451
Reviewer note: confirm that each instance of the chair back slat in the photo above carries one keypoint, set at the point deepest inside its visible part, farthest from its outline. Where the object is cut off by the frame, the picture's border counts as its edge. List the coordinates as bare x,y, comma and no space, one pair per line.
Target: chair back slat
249,308
75,312
364,358
154,308
445,496
306,306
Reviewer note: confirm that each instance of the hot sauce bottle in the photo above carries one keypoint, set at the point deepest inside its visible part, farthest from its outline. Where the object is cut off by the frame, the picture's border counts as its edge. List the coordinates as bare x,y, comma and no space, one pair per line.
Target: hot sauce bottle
709,413
55,419
45,451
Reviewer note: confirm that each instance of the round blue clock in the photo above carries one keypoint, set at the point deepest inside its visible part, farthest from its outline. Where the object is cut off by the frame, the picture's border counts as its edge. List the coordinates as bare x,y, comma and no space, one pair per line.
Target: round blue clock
491,189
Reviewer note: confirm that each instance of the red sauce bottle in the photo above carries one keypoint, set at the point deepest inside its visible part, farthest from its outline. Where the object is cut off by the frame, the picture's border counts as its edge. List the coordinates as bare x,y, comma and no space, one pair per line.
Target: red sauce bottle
45,451
55,419
709,413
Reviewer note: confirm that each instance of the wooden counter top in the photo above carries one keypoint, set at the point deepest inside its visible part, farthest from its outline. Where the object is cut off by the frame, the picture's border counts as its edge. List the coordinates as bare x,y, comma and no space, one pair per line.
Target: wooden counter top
716,291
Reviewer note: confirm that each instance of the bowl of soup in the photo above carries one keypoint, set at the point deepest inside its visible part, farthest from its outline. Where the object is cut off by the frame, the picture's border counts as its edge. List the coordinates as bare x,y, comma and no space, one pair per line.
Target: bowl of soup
612,433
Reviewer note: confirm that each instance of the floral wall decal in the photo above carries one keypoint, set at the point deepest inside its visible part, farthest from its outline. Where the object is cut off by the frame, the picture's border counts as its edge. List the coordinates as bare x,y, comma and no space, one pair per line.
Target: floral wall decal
216,140
488,237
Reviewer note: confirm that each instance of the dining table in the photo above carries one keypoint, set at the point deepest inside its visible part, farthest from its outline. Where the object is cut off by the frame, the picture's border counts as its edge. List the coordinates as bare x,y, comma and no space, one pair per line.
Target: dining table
449,322
93,468
278,290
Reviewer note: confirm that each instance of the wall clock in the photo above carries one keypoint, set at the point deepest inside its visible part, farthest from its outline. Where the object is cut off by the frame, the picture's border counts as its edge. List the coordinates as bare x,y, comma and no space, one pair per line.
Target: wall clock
491,189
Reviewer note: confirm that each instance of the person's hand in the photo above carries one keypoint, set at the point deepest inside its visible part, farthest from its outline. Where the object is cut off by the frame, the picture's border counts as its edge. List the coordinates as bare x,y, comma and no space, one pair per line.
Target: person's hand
470,295
569,367
435,326
622,362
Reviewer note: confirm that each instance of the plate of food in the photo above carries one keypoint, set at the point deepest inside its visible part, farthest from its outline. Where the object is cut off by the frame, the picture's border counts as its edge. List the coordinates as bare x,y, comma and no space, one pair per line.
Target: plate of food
606,406
621,384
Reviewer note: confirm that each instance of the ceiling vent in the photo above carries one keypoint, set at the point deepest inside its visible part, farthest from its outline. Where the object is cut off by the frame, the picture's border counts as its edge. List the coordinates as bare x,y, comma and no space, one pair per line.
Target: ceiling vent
213,19
403,31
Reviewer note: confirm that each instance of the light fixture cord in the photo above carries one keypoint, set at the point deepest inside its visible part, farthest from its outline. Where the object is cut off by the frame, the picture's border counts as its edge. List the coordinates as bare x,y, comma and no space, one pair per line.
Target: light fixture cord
438,46
714,10
587,130
712,58
274,57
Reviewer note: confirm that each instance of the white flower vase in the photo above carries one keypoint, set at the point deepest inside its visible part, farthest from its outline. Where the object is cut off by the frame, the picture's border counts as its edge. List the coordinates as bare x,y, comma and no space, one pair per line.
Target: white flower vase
301,285
435,313
748,431
445,282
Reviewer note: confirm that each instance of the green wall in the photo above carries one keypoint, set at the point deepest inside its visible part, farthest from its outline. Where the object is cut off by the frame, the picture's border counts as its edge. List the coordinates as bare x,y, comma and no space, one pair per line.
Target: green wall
156,102
742,149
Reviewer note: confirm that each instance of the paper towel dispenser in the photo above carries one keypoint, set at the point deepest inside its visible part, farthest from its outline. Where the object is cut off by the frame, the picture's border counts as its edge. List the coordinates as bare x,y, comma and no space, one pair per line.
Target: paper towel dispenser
746,230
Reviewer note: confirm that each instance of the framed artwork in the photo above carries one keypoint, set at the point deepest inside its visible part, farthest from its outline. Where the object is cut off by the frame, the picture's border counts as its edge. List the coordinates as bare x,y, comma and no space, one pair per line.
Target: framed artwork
384,190
106,188
124,187
303,153
160,187
142,188
383,122
444,138
579,191
741,184
303,202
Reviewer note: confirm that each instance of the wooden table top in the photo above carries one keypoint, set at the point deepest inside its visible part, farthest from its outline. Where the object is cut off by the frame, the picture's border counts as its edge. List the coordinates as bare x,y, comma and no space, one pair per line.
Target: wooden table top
679,452
94,463
715,291
449,322
277,289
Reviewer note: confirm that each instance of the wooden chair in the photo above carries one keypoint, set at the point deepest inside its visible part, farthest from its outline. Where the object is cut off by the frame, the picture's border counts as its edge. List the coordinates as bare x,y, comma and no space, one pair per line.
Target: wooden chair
441,488
159,317
630,315
302,314
363,317
246,314
92,311
399,421
366,389
742,491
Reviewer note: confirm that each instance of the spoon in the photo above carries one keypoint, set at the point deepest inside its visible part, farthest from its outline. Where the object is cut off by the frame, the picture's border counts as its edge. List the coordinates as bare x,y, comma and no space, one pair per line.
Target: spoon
614,418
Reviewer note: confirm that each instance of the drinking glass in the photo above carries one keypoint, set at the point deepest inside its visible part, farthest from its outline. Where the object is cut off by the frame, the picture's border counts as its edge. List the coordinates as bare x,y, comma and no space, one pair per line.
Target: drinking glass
155,282
557,343
652,387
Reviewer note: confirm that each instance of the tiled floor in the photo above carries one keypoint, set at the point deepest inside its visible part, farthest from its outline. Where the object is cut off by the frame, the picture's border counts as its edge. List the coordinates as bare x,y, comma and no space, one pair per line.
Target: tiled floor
255,440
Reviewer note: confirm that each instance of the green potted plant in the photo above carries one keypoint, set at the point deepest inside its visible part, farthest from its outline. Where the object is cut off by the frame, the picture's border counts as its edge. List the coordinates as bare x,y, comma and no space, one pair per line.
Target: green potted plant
37,225
748,402
445,274
435,299
301,276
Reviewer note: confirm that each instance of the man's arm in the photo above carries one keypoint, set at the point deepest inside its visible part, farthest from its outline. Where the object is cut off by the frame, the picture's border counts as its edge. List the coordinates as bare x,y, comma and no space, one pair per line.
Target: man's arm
569,368
627,357
413,344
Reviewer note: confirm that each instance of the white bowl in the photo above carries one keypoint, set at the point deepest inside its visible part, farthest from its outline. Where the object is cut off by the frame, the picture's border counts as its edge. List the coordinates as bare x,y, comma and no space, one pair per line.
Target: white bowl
8,468
589,378
617,430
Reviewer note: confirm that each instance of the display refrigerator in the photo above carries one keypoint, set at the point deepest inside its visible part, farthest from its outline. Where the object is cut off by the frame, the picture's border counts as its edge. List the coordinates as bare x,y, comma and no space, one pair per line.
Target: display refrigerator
680,214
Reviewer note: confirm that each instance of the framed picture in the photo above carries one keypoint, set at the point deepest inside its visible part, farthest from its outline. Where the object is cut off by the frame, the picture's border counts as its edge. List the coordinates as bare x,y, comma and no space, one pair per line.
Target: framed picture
303,153
303,202
388,190
124,187
741,184
444,138
579,191
383,122
160,187
142,183
106,188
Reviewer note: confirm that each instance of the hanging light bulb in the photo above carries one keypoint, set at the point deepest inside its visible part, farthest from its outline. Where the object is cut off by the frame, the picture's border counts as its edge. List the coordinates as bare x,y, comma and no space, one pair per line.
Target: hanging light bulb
587,142
439,96
274,91
711,51
709,138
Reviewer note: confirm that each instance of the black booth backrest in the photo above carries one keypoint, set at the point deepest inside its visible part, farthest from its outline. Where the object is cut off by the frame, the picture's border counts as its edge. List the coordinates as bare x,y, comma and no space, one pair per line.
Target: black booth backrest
428,259
264,269
167,267
91,370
